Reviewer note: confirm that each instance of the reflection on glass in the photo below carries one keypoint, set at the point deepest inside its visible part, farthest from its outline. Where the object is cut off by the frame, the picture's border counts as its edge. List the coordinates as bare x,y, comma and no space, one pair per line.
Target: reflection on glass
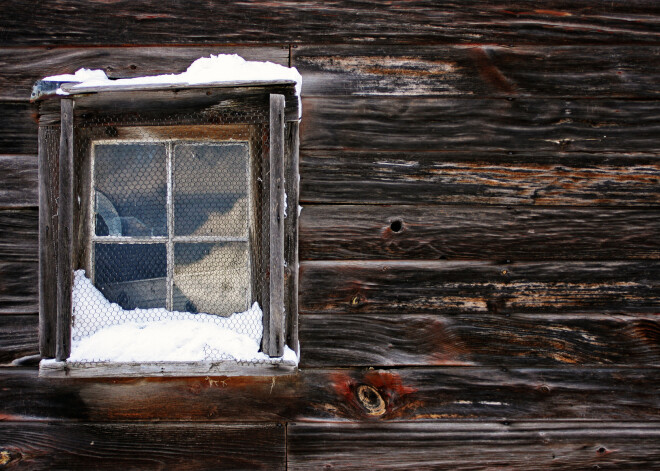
211,189
130,185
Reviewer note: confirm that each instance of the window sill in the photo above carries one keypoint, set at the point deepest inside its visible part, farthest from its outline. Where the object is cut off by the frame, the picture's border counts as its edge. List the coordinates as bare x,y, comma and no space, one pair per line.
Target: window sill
65,369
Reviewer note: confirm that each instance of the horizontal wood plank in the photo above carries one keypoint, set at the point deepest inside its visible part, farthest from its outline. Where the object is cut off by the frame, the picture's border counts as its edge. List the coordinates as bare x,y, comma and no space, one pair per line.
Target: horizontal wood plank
468,446
414,287
337,394
19,240
18,287
527,178
135,446
260,21
19,337
375,232
19,181
478,340
22,67
18,134
427,124
417,70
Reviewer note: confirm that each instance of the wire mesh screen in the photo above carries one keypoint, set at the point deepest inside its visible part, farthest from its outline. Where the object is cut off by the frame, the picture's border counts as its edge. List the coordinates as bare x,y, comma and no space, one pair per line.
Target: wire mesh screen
171,253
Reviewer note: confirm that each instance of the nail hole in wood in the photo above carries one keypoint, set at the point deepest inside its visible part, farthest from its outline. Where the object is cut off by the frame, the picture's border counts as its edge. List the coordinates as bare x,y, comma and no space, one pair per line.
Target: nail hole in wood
371,400
396,225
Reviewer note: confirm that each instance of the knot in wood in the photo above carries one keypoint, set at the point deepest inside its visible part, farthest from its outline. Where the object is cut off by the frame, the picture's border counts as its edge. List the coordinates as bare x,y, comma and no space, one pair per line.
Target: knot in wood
371,400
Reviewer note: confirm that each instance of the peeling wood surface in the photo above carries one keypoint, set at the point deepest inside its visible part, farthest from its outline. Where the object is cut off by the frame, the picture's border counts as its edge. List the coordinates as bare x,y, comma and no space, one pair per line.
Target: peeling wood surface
356,394
452,445
425,124
19,181
142,446
258,21
513,178
475,70
375,232
337,287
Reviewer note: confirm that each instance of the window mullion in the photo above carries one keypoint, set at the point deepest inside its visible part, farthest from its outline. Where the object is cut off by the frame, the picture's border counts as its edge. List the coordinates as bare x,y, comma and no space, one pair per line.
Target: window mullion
170,225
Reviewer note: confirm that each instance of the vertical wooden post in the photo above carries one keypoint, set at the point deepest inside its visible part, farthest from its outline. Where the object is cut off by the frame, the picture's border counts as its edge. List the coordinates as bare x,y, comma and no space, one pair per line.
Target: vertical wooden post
291,234
277,315
48,170
65,233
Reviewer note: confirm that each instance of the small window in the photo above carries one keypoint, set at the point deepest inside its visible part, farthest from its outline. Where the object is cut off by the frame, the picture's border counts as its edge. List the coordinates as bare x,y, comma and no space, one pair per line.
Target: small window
168,230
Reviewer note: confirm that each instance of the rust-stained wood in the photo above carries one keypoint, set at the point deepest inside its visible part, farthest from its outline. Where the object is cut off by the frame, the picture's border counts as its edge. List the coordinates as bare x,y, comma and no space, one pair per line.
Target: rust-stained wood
479,340
468,446
77,22
142,446
397,287
292,190
19,181
425,232
18,235
526,178
338,394
479,70
524,124
19,337
18,287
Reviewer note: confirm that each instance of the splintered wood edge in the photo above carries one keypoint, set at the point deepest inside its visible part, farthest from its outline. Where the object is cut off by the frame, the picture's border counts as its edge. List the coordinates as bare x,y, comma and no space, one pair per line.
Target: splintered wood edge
65,369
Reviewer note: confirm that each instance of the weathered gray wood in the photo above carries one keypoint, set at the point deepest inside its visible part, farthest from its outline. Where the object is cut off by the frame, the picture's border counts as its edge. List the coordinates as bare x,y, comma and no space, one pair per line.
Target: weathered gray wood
450,287
19,337
143,446
260,21
19,181
48,240
19,283
292,179
65,232
526,178
426,124
569,392
276,318
19,235
474,70
369,340
477,445
438,232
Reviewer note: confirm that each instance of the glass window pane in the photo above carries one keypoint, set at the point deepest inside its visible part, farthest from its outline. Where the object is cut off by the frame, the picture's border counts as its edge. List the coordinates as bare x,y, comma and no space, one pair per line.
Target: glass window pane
132,275
211,278
130,183
211,189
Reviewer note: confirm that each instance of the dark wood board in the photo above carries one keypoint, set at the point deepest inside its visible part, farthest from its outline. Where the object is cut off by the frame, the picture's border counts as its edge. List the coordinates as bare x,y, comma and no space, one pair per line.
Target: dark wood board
18,133
470,446
19,181
568,71
526,178
341,394
19,337
22,67
18,287
142,446
439,232
415,287
522,124
478,340
19,235
258,21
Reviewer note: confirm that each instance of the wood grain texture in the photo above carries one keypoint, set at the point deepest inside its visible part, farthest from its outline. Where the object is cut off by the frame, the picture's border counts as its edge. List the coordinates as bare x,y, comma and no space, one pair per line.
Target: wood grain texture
19,181
336,287
469,446
19,337
335,394
258,21
18,287
526,178
18,235
18,133
23,66
479,340
291,242
136,446
569,71
424,232
426,124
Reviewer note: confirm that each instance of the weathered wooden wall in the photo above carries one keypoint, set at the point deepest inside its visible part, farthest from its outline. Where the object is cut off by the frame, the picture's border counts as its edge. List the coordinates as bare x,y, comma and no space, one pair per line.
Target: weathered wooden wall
479,244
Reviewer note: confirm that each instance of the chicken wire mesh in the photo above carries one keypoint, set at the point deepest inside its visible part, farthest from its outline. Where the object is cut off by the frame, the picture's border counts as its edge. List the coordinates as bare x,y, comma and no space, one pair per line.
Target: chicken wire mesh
171,226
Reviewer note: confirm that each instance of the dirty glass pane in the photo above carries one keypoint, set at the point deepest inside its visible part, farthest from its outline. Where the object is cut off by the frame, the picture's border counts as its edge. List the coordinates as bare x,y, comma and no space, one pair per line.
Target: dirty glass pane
211,277
211,189
132,275
130,187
